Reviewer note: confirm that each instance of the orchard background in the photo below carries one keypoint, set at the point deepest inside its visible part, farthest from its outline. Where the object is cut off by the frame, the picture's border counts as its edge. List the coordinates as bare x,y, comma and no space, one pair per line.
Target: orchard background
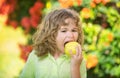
101,24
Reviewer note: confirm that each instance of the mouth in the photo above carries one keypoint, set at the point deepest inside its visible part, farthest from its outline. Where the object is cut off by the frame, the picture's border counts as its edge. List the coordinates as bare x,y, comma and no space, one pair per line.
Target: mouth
66,43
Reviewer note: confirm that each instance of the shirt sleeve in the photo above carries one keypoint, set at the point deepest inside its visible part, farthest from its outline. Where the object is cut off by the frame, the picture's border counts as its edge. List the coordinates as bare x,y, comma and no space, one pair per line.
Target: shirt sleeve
29,69
83,70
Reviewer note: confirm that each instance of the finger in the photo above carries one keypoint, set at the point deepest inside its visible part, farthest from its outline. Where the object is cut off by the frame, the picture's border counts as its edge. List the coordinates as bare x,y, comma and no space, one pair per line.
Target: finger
80,50
77,51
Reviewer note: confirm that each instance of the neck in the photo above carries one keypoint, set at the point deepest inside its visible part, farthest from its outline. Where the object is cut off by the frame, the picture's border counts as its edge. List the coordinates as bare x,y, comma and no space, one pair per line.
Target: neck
57,55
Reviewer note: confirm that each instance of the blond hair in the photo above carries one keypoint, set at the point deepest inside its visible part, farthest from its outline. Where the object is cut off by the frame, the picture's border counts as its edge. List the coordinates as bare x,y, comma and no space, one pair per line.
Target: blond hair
45,36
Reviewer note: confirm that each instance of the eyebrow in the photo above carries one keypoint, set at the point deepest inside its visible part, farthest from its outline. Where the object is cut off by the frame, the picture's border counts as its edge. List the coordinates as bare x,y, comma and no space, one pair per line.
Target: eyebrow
66,26
76,28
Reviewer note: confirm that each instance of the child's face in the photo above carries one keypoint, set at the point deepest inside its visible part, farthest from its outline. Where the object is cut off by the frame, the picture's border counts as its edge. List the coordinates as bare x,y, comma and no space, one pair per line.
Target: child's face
66,34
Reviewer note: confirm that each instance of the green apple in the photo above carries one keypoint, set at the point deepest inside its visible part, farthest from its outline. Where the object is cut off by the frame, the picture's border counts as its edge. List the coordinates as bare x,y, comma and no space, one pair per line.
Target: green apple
70,48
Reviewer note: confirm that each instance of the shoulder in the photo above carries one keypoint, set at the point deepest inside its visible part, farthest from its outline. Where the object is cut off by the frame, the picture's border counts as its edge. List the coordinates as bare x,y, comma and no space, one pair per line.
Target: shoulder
32,55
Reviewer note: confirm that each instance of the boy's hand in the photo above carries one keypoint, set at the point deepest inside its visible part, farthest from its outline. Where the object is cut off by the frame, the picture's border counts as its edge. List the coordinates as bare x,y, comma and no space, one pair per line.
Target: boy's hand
77,58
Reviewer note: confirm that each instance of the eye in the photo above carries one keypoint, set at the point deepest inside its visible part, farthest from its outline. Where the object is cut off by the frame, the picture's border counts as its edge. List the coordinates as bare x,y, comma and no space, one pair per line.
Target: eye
74,30
63,30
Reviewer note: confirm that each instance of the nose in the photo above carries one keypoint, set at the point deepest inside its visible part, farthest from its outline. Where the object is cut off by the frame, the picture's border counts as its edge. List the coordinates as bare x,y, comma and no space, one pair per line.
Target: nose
70,35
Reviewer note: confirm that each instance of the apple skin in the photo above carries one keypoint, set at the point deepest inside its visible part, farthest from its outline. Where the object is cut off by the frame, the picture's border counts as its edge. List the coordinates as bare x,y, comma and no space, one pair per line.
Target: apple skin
71,46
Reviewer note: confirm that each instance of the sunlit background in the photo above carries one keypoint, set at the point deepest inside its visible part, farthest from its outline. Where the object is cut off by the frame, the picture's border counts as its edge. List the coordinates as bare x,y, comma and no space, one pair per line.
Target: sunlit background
101,24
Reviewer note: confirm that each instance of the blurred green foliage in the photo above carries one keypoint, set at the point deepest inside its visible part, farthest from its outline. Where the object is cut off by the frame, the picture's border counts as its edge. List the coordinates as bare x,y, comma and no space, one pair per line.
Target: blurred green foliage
102,38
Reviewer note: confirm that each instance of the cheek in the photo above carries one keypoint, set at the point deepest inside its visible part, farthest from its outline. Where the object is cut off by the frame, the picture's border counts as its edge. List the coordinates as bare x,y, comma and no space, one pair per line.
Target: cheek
60,45
60,36
76,36
59,42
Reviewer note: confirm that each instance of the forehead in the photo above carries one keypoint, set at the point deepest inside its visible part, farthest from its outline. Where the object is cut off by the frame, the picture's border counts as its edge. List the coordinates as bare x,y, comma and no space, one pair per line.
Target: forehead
68,21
